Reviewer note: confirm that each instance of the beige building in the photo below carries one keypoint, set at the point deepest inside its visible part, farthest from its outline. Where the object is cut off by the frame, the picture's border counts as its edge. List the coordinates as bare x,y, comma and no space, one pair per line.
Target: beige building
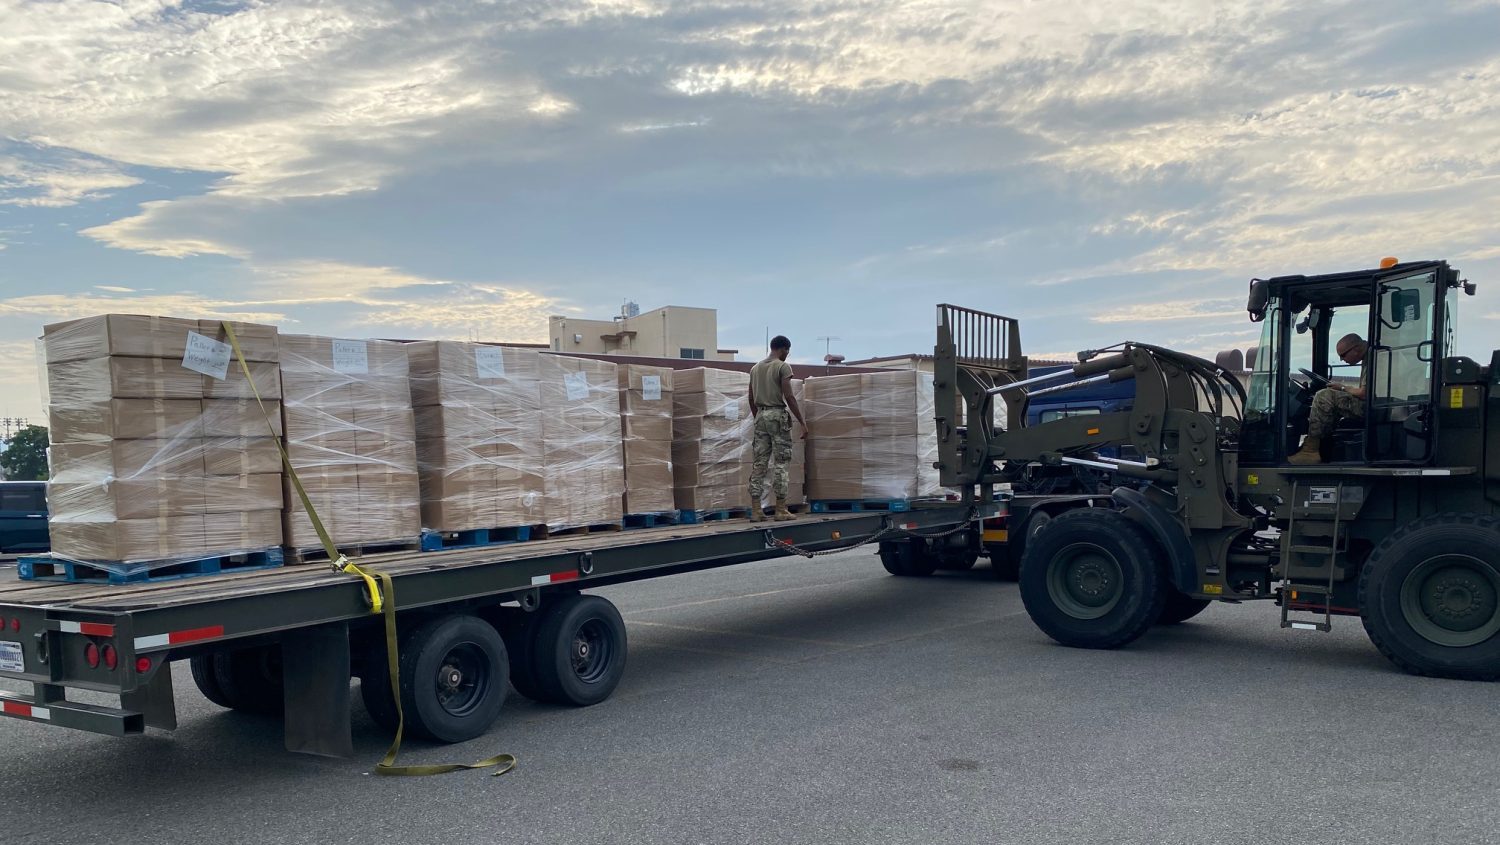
669,332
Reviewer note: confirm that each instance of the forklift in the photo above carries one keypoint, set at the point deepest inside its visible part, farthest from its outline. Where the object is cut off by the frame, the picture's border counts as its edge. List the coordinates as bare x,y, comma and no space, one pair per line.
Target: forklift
1390,515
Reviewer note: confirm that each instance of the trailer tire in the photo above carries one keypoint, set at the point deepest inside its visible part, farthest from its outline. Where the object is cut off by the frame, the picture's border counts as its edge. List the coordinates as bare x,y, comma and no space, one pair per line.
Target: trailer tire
250,679
518,628
454,677
961,560
1429,597
906,558
1179,608
1091,579
203,677
579,651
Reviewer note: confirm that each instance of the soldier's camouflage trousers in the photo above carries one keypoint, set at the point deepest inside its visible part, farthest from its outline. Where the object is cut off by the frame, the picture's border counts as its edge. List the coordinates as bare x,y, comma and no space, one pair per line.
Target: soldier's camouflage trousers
1328,407
773,440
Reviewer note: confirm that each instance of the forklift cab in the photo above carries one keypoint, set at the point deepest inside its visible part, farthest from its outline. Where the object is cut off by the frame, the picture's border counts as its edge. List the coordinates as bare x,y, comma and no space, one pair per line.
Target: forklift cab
1404,312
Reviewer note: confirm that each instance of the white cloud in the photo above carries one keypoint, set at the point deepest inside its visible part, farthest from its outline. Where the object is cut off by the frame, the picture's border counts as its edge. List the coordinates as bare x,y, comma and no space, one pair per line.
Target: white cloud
54,185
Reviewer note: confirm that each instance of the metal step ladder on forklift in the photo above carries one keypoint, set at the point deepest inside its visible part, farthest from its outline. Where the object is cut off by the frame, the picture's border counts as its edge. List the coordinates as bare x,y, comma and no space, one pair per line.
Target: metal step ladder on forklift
1331,555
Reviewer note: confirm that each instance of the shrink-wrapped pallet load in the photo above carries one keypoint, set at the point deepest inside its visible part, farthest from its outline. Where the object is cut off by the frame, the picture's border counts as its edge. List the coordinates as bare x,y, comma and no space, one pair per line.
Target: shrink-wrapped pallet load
646,427
871,436
711,427
159,451
351,437
583,463
479,435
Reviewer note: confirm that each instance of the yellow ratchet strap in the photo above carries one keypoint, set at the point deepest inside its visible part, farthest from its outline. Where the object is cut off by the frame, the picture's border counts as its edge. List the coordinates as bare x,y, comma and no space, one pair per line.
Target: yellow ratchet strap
382,601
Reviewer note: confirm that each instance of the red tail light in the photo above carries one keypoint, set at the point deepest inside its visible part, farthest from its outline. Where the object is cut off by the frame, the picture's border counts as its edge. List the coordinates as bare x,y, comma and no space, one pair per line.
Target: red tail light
143,665
91,654
15,623
111,657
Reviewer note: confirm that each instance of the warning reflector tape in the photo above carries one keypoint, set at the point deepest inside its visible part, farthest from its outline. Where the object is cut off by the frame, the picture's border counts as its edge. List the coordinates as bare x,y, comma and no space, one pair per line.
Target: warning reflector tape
570,575
179,637
30,711
93,629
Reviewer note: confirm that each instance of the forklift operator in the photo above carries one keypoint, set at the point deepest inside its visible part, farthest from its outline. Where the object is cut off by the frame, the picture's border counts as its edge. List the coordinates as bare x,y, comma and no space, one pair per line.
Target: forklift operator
1334,402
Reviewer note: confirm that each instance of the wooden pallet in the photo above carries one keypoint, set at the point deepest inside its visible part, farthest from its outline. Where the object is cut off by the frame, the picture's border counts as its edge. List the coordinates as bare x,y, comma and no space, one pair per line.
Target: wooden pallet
651,520
435,541
858,505
49,568
317,554
687,517
582,530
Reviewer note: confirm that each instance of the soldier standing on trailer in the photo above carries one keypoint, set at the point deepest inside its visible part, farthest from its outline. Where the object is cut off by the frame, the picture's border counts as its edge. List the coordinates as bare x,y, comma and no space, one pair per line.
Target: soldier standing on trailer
770,398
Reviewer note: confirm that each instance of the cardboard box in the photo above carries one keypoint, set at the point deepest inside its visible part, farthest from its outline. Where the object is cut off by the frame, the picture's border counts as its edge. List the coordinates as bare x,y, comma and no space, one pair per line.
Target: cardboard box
131,335
242,531
131,540
235,493
583,461
125,419
116,460
258,343
240,456
242,418
99,379
871,436
145,498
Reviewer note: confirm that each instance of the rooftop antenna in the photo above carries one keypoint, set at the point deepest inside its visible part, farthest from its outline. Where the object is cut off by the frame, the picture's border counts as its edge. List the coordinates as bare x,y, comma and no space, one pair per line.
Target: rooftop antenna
828,356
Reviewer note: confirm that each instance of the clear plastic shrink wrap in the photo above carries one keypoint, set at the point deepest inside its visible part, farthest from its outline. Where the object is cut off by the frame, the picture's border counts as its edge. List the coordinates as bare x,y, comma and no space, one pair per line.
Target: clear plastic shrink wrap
871,436
351,437
711,448
159,452
479,434
583,465
646,426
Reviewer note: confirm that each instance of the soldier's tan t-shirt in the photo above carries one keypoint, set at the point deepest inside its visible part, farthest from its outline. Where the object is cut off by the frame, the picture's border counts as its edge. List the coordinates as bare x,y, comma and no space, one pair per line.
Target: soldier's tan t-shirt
766,378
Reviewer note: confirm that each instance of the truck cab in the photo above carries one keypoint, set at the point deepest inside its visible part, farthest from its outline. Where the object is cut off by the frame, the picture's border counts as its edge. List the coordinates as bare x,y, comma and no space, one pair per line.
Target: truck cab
23,517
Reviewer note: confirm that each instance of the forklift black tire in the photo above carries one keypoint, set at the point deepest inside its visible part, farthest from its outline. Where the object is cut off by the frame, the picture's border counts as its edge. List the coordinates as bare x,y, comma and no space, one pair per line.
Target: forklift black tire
454,678
250,679
579,651
518,628
203,677
1429,597
1091,579
1179,608
907,558
1008,566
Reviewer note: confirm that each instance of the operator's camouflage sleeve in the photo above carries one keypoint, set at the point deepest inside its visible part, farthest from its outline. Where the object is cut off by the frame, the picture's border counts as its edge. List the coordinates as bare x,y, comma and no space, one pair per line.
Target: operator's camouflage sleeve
1329,406
773,450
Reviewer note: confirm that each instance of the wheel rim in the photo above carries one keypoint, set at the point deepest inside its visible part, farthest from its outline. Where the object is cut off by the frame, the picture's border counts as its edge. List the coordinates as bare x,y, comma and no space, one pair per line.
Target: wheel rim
1084,581
591,651
1451,600
463,679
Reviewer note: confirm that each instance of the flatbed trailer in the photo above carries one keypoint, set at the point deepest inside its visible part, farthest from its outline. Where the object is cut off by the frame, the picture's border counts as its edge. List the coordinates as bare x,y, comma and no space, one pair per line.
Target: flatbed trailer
472,622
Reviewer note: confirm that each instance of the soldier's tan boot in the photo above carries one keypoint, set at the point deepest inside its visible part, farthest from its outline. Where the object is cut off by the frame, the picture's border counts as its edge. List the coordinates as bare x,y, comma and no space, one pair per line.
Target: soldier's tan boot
756,514
1310,453
782,514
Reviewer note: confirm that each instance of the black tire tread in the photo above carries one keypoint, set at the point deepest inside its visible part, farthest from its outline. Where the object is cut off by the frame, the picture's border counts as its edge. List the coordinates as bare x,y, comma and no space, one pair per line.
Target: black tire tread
1483,522
204,678
552,687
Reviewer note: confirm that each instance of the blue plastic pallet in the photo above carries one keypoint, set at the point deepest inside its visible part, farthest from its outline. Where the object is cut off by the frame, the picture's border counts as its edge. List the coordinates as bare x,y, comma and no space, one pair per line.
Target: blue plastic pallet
857,505
436,541
687,517
141,572
651,520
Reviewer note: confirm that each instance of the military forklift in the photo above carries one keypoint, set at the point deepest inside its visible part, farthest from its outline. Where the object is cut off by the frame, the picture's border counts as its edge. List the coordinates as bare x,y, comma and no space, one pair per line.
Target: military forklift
1396,523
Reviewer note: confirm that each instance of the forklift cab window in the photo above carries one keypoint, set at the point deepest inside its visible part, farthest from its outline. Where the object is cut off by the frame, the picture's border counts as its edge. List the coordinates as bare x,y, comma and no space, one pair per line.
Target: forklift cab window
1403,356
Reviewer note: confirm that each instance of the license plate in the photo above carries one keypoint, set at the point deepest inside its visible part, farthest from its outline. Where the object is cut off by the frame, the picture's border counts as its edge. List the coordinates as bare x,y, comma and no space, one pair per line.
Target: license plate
11,658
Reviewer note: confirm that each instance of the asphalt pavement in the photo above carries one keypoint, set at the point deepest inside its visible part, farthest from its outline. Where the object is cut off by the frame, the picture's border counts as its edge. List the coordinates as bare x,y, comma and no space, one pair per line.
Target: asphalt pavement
791,701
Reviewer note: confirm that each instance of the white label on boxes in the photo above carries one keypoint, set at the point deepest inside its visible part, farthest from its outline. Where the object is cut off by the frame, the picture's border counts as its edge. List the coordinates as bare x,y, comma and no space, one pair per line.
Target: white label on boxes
207,356
490,361
732,410
351,357
577,385
651,388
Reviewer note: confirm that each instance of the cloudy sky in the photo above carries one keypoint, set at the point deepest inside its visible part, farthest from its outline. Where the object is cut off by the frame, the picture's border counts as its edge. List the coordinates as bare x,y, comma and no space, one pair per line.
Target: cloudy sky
463,169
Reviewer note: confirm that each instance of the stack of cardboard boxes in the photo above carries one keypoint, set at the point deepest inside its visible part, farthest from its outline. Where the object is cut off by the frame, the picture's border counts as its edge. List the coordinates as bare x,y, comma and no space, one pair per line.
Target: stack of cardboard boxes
646,426
479,435
351,437
583,467
871,436
159,450
711,427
